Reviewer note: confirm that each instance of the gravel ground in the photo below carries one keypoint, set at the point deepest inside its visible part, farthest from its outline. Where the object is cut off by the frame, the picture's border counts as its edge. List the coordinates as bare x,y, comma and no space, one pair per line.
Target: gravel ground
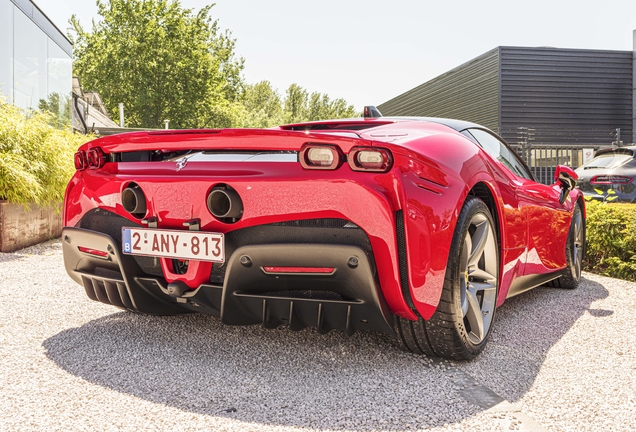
558,360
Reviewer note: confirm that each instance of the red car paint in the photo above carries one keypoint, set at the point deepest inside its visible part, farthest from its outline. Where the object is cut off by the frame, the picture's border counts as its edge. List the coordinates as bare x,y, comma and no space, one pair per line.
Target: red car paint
434,169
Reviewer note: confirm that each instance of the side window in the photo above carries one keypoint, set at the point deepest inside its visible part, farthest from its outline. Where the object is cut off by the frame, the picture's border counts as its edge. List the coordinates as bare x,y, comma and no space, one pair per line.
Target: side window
501,152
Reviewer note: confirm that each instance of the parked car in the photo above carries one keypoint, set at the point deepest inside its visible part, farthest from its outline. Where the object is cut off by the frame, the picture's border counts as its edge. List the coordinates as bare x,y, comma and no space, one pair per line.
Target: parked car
610,175
416,227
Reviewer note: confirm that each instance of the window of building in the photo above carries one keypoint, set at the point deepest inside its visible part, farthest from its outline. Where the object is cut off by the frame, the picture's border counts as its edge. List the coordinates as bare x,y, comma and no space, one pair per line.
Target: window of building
6,49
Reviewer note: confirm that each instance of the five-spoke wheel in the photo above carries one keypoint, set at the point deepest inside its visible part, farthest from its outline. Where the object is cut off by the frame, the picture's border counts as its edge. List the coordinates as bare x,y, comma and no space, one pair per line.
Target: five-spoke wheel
460,326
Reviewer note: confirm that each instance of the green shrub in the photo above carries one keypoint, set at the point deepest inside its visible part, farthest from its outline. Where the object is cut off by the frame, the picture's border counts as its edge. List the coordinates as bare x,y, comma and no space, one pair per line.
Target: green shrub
36,159
611,239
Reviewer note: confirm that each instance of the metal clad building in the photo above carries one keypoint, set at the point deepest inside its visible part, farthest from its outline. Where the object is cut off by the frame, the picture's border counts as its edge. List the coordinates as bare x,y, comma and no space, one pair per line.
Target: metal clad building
564,97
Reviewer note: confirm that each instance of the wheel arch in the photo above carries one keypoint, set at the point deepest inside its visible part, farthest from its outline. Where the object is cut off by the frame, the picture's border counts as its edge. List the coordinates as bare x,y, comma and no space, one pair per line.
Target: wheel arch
482,191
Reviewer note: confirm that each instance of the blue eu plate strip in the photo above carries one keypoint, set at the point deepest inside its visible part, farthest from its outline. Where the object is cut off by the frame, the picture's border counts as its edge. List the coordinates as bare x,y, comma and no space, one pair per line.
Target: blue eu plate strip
126,240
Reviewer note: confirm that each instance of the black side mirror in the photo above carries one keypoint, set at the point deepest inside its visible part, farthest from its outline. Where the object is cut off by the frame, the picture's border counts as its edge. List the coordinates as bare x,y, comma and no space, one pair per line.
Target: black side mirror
566,177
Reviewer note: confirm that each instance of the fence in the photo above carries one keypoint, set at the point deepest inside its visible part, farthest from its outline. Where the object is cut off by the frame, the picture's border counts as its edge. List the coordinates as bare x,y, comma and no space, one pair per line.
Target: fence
568,149
543,159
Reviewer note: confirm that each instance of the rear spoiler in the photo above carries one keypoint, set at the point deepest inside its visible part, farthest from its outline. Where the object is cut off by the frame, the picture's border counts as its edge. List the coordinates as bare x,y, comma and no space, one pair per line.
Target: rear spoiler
220,139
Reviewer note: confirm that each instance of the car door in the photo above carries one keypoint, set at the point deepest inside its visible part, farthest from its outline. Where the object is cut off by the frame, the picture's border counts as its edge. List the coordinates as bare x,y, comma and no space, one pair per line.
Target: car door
546,220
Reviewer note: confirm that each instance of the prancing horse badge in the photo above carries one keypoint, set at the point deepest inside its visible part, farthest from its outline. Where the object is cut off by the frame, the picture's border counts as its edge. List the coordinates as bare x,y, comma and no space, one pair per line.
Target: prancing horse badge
181,163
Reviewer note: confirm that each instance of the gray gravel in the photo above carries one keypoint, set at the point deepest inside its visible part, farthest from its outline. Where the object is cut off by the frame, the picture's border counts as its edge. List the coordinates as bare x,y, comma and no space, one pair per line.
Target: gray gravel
563,360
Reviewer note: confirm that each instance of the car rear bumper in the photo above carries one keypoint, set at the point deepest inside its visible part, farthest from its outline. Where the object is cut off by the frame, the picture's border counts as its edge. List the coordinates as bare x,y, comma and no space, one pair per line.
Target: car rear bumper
346,299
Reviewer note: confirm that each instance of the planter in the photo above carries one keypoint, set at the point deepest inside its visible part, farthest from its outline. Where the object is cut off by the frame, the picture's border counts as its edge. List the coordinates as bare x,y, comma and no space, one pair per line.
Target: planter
20,228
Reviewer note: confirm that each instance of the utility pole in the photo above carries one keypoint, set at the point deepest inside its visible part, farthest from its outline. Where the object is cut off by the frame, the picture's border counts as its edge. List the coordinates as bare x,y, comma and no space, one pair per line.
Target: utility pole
121,115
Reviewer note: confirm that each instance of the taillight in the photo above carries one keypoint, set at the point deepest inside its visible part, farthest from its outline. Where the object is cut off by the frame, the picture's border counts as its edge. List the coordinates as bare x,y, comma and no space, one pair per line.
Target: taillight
320,156
370,159
80,161
611,179
96,158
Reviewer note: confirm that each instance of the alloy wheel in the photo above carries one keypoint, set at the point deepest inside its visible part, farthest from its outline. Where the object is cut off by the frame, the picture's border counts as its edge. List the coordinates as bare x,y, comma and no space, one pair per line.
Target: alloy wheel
478,283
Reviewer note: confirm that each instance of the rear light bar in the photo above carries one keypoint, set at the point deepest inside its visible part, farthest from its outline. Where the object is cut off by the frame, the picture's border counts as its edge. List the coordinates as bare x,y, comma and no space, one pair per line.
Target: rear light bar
297,270
611,179
320,156
93,252
370,159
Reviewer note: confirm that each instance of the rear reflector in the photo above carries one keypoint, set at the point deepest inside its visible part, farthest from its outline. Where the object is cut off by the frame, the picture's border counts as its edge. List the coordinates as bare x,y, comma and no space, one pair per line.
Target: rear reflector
95,252
321,270
320,156
370,159
611,179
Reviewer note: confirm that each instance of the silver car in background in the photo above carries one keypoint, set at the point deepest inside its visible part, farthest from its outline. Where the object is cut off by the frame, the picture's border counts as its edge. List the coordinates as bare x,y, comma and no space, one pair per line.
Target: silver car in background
610,175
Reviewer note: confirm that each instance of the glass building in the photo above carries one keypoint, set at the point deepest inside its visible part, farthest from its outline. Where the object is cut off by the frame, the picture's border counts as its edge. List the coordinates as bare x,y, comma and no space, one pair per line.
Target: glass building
35,60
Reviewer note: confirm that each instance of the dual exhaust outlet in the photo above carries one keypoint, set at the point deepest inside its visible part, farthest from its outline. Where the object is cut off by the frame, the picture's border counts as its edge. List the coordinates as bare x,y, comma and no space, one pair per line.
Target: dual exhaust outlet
223,202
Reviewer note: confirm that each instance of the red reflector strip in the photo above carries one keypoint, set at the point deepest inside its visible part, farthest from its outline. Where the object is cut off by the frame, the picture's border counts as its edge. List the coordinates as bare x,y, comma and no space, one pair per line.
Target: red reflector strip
95,252
298,269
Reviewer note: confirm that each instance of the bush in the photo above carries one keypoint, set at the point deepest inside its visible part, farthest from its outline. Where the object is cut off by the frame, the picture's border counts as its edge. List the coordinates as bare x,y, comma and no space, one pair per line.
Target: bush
611,239
36,159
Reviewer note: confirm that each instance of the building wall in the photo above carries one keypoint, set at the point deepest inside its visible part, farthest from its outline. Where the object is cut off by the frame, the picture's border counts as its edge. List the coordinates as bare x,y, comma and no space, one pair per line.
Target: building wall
35,60
634,89
469,92
566,96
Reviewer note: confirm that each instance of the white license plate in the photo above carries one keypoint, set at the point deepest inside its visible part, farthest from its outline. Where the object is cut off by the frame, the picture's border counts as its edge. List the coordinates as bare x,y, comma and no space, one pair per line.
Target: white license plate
196,245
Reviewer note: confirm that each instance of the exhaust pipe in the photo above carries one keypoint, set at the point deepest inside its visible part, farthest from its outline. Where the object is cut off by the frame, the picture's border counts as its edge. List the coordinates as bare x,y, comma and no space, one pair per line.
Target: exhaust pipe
225,202
133,200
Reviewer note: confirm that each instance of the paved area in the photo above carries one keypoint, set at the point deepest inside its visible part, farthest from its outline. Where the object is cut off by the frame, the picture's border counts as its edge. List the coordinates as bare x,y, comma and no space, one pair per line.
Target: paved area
558,361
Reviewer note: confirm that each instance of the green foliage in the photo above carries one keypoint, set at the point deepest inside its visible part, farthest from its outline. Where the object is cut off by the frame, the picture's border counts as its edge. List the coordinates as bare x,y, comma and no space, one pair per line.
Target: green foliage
300,107
162,62
264,107
608,196
59,106
36,159
611,239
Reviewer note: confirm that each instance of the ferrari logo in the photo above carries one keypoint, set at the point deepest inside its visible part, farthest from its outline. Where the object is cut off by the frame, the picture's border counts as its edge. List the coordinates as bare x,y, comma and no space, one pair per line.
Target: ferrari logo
181,163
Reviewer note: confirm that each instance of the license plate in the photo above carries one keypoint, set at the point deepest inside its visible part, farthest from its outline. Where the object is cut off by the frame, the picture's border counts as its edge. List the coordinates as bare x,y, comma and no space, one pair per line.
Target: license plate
196,245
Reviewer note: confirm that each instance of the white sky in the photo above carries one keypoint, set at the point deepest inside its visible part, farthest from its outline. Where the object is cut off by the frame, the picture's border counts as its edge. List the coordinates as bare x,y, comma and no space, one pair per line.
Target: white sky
371,51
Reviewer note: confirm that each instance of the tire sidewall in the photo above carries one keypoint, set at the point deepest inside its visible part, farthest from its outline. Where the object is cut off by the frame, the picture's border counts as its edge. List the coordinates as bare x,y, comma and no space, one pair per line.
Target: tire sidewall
472,207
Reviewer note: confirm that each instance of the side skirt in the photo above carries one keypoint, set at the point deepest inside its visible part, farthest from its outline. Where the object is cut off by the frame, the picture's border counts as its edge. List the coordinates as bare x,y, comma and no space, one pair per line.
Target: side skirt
526,283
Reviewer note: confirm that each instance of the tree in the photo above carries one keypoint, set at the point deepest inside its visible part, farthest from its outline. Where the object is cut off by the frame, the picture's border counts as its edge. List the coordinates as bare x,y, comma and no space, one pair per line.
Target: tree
263,106
296,104
300,106
162,62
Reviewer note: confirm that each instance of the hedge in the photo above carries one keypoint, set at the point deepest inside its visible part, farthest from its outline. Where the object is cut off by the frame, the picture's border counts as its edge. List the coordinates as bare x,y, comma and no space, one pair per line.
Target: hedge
611,239
36,159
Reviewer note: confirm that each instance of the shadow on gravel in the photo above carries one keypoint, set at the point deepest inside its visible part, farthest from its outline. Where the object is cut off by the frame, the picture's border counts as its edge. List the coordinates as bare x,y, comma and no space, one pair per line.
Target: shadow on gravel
527,327
303,379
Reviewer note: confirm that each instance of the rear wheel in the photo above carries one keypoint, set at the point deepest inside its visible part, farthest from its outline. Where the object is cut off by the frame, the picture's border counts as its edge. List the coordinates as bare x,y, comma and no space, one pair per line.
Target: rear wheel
574,253
460,326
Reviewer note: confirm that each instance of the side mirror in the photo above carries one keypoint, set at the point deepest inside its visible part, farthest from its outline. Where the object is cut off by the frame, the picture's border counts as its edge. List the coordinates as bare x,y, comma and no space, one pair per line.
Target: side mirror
566,177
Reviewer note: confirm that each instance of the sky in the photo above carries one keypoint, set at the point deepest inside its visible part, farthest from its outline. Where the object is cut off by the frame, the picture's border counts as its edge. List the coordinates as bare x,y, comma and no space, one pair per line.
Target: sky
368,52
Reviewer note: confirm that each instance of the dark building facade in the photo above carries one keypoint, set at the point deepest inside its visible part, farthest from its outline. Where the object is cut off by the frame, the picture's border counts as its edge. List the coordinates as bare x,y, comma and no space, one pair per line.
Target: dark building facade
549,96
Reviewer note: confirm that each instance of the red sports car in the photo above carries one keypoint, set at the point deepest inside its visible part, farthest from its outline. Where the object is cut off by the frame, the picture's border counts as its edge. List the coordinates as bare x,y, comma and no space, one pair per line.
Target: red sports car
416,227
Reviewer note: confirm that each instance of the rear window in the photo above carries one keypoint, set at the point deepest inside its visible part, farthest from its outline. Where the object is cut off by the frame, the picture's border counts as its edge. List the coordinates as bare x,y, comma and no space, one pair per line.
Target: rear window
610,160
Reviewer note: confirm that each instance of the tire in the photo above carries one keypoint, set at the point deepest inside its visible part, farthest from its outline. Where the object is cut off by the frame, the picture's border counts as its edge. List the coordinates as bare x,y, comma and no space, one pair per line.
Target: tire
461,325
574,253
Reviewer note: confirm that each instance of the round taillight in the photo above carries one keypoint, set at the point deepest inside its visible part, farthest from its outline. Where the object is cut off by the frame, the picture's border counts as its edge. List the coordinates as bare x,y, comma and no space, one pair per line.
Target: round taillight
320,156
80,161
96,158
370,159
